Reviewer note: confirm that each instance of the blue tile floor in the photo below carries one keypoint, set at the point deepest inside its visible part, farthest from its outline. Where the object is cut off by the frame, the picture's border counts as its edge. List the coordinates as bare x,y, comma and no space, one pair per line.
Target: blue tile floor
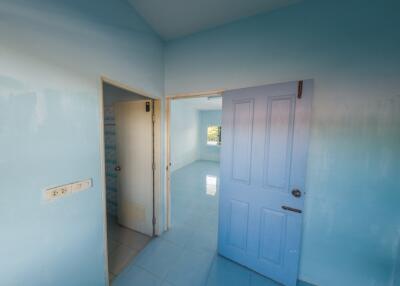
186,255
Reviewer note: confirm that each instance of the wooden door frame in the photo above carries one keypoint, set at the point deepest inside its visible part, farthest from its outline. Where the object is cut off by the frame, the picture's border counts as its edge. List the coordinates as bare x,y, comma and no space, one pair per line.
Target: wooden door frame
168,100
157,158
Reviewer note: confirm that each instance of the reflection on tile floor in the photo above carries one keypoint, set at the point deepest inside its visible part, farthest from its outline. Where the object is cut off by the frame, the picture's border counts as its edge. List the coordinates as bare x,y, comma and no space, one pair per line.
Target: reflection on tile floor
186,255
123,245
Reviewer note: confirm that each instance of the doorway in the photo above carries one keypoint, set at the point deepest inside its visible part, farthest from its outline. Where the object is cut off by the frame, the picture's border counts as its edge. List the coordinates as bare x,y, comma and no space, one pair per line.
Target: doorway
132,171
194,140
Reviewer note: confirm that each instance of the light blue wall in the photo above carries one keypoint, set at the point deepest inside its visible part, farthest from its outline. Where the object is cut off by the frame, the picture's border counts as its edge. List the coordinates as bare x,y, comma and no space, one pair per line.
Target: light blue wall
185,125
352,51
208,118
396,277
189,133
52,54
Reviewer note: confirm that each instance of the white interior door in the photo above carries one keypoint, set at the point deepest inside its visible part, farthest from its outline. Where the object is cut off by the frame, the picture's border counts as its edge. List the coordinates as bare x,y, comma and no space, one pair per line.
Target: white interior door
135,156
263,170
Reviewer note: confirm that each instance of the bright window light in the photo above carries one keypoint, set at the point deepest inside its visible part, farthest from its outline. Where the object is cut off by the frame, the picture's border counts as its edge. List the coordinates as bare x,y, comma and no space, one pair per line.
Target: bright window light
211,185
214,135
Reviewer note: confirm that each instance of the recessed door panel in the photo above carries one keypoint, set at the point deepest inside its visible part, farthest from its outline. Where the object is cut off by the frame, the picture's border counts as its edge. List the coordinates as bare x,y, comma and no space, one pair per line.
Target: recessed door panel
272,236
237,233
242,138
279,141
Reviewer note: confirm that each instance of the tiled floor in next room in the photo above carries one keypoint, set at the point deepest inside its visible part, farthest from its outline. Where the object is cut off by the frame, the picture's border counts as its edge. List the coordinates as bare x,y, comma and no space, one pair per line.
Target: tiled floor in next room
186,255
123,245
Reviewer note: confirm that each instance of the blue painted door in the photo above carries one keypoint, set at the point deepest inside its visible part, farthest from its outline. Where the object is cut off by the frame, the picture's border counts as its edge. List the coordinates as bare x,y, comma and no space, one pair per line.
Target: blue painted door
265,133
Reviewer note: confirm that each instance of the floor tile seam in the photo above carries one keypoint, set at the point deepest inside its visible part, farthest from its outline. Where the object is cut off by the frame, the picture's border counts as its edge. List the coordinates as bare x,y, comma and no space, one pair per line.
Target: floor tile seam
134,248
147,271
112,252
207,272
199,249
129,247
173,242
123,268
209,268
162,279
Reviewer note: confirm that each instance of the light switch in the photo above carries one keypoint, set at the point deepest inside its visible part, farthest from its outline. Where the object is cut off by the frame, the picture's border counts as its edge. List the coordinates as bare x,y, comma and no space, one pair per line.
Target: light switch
76,187
81,186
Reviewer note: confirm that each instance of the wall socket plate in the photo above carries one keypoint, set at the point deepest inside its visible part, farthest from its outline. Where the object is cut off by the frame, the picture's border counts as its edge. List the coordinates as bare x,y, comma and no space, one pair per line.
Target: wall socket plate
60,191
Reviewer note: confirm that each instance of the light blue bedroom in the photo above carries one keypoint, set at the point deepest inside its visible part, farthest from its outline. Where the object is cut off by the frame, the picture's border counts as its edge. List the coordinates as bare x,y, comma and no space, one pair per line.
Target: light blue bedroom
200,143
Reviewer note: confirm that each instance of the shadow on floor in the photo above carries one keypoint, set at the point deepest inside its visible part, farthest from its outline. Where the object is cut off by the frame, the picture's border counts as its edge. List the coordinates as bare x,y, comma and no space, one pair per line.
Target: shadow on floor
123,245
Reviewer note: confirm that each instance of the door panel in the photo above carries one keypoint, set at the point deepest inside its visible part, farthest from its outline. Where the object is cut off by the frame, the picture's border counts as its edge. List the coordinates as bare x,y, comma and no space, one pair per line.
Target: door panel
263,158
134,155
279,141
237,234
242,139
272,233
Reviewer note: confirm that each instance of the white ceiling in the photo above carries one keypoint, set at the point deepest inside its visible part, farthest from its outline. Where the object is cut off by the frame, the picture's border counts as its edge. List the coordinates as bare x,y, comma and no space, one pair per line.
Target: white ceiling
176,18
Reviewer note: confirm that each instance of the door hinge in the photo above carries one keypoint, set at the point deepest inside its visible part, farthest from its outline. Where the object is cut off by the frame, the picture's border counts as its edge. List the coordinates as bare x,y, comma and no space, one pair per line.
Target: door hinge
154,221
153,166
300,89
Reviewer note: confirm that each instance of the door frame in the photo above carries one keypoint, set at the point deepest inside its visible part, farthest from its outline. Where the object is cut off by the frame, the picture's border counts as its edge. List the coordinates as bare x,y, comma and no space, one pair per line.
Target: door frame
157,209
186,95
168,100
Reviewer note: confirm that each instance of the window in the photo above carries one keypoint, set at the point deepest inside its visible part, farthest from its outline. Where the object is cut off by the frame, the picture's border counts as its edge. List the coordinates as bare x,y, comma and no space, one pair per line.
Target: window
214,135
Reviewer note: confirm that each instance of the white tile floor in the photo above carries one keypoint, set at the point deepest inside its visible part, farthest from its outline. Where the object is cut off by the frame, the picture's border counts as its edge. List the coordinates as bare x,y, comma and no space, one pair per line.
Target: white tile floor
186,255
123,245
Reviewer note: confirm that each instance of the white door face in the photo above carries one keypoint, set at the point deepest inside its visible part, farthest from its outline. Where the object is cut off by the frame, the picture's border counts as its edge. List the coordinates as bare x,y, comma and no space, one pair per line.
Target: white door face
134,157
263,168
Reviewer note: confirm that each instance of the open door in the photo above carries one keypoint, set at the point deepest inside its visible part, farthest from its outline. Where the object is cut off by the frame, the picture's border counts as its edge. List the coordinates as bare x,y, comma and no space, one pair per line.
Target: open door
263,169
134,140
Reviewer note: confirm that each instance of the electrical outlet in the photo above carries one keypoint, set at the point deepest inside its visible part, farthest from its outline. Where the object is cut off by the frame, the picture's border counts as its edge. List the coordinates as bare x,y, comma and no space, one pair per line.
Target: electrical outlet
63,190
60,191
54,193
51,193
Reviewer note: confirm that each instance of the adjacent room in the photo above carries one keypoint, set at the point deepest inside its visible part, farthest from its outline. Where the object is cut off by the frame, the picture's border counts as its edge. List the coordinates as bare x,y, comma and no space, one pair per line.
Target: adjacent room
183,254
195,143
200,143
129,154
